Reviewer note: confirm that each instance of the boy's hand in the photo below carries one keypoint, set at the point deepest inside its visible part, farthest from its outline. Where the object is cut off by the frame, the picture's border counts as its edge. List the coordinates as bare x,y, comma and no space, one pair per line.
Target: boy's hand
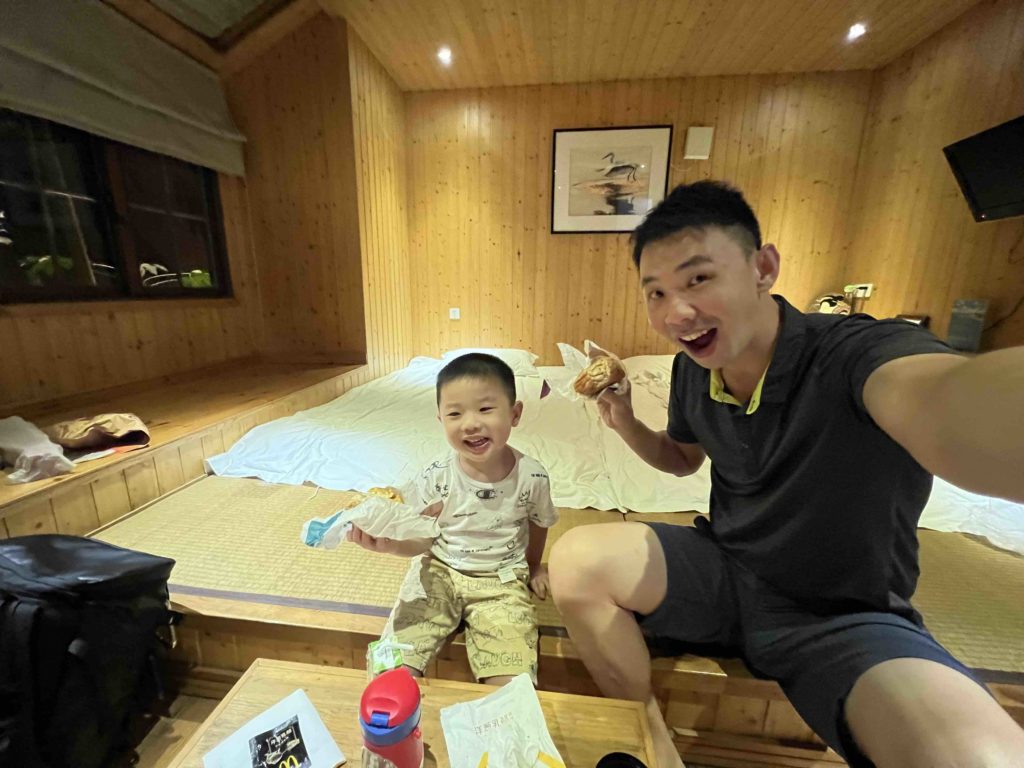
366,541
616,410
539,582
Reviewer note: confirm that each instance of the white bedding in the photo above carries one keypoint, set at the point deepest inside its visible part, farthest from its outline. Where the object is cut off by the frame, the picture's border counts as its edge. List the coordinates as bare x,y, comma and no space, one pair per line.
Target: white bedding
385,431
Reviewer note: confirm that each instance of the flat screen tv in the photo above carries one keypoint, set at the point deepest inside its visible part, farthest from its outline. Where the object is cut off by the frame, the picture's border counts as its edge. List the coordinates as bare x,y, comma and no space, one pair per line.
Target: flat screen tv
989,166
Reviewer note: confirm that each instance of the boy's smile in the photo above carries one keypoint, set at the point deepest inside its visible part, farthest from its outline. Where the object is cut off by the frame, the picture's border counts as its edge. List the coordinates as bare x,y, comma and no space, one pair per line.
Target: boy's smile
478,417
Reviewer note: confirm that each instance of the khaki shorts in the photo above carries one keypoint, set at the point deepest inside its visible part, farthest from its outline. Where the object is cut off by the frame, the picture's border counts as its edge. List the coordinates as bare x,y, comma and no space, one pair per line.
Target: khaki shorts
500,620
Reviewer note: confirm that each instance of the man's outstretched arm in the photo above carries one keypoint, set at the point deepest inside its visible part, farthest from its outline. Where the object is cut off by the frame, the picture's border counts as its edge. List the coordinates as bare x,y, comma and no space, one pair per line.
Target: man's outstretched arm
962,419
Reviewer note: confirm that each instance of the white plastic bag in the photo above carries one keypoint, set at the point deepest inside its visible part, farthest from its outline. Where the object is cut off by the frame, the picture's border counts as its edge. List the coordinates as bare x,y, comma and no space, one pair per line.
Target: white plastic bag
375,516
503,730
574,361
32,454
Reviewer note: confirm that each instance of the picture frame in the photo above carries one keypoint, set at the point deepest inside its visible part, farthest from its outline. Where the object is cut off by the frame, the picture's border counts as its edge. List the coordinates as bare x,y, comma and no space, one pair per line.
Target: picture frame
607,179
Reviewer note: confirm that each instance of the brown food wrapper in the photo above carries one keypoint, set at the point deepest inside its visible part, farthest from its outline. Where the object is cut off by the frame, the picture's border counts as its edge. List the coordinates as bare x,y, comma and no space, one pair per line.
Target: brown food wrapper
104,431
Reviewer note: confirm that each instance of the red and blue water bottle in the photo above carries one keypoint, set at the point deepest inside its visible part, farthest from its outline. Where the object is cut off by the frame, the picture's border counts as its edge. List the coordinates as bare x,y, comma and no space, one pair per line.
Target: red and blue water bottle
389,714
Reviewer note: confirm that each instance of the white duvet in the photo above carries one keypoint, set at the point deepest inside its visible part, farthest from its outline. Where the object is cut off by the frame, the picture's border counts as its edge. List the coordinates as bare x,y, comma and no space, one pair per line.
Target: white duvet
386,430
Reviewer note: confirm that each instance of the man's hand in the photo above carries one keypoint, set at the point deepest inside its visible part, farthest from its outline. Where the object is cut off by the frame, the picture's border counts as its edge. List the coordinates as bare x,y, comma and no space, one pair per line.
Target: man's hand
539,582
366,541
616,410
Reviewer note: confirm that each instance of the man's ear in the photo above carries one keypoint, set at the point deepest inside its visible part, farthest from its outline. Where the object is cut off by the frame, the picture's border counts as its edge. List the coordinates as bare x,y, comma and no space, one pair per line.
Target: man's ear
766,264
517,412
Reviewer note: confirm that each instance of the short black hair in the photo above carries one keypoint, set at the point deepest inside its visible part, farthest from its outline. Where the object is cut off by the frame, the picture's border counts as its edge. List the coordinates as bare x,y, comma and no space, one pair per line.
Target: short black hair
478,365
698,206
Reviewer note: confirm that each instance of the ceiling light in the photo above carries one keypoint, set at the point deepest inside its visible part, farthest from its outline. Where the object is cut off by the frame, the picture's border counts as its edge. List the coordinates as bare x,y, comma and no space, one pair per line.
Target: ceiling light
856,31
444,55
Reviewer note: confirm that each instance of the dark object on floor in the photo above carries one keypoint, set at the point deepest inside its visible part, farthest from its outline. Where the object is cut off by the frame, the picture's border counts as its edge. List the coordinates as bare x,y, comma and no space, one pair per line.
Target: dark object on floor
619,760
78,645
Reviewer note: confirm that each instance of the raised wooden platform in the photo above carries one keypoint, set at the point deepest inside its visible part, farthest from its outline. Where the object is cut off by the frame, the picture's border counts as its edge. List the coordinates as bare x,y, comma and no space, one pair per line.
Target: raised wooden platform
190,417
238,608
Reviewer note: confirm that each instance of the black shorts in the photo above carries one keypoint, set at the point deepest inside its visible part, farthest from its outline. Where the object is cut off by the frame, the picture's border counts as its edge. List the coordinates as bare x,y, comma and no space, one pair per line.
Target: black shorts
716,607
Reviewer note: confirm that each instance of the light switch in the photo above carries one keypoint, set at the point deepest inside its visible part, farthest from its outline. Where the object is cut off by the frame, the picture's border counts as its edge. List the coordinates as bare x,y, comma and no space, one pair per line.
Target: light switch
453,313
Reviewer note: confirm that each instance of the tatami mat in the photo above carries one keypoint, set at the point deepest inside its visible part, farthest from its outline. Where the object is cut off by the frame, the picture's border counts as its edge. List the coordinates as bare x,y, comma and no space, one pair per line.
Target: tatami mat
239,539
972,599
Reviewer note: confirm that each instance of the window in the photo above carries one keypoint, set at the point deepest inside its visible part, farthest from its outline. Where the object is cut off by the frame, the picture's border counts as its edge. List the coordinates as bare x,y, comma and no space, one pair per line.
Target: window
83,217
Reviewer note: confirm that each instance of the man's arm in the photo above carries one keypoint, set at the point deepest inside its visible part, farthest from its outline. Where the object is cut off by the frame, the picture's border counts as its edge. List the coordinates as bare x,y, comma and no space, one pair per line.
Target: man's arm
962,419
656,448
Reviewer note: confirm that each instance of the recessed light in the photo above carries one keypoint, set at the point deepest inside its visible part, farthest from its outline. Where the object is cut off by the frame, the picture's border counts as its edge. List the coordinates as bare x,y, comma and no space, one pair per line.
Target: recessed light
856,31
444,55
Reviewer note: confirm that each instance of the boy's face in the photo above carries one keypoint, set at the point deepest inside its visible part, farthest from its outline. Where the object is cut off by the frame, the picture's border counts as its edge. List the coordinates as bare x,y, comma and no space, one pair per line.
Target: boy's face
477,417
703,291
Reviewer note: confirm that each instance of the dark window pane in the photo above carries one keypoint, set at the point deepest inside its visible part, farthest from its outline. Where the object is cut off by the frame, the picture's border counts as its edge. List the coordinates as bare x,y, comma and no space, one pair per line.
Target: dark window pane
186,188
15,161
105,267
26,222
64,158
192,239
154,249
144,182
80,243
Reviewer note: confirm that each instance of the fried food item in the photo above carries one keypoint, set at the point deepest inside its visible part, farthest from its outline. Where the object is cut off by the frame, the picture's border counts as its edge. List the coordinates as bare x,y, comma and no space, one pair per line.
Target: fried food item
599,375
387,493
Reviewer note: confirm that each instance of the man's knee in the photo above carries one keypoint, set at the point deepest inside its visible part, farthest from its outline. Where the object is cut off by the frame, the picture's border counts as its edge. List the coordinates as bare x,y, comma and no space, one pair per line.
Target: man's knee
574,563
621,563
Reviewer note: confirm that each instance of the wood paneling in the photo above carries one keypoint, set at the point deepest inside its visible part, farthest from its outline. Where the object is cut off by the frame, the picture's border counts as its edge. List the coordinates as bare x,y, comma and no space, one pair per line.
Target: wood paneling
531,42
293,103
480,180
378,113
55,350
253,44
913,233
193,422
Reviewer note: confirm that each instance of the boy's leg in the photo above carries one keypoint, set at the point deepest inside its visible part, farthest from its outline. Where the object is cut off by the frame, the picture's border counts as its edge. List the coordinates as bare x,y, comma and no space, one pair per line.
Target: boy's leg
911,712
426,612
497,680
501,627
602,576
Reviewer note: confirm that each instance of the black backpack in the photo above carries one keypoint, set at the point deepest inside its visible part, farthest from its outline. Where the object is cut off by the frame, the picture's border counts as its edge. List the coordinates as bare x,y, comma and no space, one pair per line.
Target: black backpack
79,623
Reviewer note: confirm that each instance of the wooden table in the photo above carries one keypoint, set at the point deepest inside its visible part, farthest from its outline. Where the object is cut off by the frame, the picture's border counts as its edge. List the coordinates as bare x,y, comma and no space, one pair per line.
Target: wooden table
584,728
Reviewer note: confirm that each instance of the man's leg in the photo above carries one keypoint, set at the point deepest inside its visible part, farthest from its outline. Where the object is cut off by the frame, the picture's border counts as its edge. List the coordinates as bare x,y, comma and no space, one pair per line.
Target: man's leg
600,576
915,712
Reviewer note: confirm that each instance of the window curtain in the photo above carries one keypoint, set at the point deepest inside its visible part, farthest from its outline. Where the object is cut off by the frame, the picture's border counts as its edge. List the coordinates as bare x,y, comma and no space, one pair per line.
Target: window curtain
80,63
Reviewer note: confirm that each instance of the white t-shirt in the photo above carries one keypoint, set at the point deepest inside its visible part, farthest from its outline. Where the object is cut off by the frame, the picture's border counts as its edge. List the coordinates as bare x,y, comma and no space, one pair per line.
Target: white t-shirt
484,525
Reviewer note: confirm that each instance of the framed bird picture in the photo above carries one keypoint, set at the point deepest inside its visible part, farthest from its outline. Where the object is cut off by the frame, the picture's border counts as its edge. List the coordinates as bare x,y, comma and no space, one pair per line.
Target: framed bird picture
607,179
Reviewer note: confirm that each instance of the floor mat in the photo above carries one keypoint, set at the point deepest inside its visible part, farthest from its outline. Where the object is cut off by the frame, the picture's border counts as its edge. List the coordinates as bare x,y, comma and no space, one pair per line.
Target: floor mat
239,539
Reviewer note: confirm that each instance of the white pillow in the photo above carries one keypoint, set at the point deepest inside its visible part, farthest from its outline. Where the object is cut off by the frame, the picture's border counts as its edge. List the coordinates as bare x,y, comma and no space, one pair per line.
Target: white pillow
521,361
659,364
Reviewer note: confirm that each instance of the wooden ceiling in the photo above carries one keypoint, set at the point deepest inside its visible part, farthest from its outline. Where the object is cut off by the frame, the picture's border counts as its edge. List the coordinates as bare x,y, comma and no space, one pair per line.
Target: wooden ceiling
522,42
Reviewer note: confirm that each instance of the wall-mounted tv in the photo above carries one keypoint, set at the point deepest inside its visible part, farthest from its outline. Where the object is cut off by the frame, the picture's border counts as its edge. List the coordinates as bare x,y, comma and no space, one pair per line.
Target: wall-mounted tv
989,166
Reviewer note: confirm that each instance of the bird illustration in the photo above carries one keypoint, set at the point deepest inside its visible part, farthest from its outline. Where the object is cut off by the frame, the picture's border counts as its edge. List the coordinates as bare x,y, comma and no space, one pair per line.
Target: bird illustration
614,169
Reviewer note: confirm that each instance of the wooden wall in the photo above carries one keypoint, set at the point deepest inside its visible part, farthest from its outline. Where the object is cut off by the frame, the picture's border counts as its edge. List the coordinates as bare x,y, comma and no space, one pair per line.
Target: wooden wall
913,233
480,181
293,104
378,113
49,351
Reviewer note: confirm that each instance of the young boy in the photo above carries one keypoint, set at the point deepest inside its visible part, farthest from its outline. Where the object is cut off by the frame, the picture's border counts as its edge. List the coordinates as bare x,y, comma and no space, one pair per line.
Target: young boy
493,514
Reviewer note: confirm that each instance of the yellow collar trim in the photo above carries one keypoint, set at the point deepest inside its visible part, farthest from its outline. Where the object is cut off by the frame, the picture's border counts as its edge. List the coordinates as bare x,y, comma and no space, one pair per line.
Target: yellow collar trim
721,395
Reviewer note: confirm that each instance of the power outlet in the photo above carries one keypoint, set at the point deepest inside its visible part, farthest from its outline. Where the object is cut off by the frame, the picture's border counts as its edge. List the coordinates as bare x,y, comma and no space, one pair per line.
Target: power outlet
454,313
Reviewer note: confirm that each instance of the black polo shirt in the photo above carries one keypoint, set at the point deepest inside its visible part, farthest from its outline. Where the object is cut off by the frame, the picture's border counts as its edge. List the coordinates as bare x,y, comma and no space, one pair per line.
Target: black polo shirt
807,491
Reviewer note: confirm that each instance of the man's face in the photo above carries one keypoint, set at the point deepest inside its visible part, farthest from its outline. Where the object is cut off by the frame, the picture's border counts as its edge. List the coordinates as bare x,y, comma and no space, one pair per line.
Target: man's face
702,290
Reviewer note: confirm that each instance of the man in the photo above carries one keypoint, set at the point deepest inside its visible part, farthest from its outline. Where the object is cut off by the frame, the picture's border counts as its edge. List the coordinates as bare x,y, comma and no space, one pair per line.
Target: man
824,433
